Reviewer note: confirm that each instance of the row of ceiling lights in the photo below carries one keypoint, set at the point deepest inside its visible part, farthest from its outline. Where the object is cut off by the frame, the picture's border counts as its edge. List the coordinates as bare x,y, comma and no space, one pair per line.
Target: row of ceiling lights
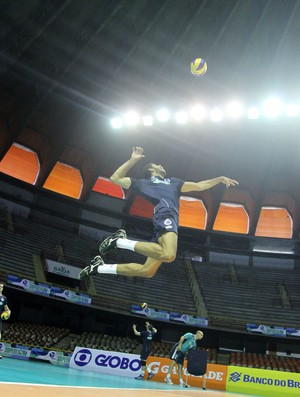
272,108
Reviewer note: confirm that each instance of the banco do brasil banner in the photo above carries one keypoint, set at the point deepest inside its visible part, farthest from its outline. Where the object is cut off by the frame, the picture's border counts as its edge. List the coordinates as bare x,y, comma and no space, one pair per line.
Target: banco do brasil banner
263,382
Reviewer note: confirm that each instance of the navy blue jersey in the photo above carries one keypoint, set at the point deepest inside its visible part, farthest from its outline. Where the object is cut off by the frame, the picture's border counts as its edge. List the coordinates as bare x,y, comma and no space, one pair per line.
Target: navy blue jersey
162,193
3,302
147,337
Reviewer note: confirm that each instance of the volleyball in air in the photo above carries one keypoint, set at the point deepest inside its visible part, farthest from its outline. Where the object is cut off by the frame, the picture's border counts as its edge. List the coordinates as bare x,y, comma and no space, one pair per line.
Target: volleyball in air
198,67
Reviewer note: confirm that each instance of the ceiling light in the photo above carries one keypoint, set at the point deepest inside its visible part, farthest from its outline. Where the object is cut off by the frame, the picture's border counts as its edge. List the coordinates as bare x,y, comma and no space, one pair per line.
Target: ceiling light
116,122
273,107
181,117
292,110
163,115
234,109
198,112
147,120
216,115
253,113
131,118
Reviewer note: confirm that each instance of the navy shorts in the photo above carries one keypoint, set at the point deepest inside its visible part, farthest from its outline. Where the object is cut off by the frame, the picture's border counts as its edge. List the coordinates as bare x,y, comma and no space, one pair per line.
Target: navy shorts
145,353
164,221
177,355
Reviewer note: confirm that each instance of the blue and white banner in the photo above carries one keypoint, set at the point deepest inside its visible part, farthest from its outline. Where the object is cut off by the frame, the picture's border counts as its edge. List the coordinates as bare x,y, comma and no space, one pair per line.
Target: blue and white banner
188,319
105,362
71,296
62,269
267,330
52,356
28,285
292,332
154,314
20,352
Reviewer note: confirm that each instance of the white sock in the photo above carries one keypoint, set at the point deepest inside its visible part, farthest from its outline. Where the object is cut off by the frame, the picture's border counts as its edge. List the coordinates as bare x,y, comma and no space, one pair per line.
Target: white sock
107,269
126,244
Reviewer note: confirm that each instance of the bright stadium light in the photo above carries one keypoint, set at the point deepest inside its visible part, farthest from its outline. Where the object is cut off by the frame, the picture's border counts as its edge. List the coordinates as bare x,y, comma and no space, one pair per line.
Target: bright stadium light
181,117
273,107
131,118
163,115
198,112
292,110
147,120
253,113
234,109
116,122
216,115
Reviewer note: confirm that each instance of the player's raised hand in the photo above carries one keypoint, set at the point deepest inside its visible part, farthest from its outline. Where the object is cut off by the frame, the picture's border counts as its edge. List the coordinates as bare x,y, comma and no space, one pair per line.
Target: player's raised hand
228,181
137,153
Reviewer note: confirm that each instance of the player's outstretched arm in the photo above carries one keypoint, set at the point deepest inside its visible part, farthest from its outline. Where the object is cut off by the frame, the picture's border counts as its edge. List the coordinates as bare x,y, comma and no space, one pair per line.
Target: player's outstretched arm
204,185
136,332
119,176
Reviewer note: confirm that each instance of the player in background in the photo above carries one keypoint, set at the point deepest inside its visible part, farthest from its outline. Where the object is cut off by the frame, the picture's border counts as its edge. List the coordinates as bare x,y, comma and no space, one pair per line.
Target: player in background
147,337
3,307
187,341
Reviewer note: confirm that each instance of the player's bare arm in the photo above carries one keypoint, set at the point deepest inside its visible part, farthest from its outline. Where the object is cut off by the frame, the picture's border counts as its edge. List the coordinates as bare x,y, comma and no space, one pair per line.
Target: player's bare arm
204,185
119,176
135,331
180,342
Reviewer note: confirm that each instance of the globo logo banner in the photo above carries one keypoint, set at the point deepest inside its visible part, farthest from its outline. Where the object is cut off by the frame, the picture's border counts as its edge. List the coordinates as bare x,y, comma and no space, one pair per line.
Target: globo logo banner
105,362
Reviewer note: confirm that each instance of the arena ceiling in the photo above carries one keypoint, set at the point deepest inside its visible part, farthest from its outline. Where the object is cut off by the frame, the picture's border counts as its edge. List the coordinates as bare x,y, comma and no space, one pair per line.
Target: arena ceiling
68,66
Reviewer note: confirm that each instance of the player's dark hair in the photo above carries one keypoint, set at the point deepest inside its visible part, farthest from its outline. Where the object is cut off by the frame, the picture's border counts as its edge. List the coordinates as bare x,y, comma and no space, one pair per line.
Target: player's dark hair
145,173
150,327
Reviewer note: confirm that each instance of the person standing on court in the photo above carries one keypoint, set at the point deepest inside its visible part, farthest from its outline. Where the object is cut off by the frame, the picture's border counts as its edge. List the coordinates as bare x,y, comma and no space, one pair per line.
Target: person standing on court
187,342
147,337
3,307
164,193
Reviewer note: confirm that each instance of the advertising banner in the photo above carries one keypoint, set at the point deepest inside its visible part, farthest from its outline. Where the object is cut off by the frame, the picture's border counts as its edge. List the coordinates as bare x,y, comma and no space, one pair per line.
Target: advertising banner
20,352
122,364
106,362
188,319
154,314
216,374
263,382
28,285
292,332
71,296
266,330
61,269
52,356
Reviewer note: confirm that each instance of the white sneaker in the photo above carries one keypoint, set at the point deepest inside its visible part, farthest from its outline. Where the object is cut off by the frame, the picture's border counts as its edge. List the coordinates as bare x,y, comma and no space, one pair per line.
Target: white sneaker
168,381
184,385
92,268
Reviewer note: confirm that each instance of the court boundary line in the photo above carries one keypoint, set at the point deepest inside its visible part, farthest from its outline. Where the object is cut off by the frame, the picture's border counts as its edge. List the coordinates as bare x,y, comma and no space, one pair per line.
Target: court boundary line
98,387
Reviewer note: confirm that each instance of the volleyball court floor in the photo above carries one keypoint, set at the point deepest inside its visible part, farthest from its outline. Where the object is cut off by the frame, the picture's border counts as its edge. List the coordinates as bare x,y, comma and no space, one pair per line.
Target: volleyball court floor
35,379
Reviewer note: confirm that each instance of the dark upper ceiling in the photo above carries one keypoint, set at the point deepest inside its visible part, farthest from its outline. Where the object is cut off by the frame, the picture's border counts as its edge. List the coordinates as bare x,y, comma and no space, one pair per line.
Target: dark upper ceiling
68,66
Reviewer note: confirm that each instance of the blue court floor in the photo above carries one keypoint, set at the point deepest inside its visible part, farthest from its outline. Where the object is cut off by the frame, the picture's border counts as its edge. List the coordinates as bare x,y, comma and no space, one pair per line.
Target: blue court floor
33,378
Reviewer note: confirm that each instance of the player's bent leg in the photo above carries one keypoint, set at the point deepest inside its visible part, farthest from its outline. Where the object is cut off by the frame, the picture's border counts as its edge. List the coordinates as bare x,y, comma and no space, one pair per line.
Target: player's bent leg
164,250
147,270
168,242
